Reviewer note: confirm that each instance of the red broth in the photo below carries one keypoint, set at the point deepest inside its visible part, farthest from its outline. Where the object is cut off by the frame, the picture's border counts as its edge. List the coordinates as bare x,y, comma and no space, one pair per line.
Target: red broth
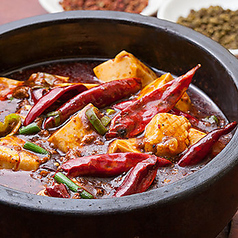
81,71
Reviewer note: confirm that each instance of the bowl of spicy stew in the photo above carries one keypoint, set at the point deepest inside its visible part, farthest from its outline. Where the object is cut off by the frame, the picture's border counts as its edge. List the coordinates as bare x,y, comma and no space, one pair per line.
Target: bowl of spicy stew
124,137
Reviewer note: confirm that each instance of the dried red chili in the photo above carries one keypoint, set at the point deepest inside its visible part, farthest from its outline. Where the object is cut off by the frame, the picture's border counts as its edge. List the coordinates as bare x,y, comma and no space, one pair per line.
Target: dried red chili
133,119
123,105
58,190
197,152
108,164
139,179
48,99
100,96
38,93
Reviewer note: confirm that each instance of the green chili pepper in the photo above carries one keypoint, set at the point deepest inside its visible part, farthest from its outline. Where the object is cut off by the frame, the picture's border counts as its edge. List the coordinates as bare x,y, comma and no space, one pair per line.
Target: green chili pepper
95,121
61,178
6,126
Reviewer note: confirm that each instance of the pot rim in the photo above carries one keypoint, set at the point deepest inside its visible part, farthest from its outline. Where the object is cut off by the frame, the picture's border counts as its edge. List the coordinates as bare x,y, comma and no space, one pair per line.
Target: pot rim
205,177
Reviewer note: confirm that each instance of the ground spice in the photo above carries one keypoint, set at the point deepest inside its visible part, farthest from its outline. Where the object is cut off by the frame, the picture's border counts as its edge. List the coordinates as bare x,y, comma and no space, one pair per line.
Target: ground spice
133,6
215,22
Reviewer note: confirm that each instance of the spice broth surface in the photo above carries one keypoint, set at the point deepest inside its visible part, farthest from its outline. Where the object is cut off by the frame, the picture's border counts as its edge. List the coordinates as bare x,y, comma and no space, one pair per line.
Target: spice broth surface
82,71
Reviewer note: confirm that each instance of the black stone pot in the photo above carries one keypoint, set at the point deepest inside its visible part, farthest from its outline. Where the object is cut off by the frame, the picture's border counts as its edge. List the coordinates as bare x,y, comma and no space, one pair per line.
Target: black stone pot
199,205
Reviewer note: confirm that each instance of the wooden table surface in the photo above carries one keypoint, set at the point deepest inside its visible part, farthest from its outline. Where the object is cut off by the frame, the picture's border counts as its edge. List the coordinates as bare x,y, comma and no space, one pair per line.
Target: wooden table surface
12,10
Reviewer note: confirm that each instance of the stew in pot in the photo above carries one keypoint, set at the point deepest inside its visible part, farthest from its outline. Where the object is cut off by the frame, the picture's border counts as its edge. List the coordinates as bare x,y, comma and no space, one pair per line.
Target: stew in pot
90,129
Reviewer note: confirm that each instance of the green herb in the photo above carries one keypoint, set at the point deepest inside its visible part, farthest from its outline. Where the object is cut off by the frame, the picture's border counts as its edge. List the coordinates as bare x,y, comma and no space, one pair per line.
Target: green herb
215,22
52,114
57,120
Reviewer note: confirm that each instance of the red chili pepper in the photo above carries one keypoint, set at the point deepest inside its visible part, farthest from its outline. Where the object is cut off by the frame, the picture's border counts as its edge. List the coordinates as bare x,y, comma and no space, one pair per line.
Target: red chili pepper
138,179
58,190
100,96
198,151
107,164
123,105
48,99
132,120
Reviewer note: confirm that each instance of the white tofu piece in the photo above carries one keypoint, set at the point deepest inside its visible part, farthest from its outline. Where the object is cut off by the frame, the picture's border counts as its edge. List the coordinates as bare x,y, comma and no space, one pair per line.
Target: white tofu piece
13,156
124,65
75,134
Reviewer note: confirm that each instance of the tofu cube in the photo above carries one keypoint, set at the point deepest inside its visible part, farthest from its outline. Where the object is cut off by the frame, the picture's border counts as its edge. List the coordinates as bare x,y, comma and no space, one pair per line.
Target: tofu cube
75,133
124,65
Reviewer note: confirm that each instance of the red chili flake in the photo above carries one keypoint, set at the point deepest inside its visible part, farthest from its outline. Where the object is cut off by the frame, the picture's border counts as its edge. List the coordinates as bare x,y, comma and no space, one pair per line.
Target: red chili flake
133,6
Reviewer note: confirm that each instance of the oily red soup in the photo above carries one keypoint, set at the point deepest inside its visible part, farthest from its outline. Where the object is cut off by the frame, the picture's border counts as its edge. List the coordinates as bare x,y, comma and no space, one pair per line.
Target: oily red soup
93,129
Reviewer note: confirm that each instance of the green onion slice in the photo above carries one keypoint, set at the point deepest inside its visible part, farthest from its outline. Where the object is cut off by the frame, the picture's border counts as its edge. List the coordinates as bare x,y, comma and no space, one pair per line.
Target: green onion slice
57,120
56,115
35,148
95,121
212,119
105,120
61,178
6,126
52,114
11,98
30,129
110,111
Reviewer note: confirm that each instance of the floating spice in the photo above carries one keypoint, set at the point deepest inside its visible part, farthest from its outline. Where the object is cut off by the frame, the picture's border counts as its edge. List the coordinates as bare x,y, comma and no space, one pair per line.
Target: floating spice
215,22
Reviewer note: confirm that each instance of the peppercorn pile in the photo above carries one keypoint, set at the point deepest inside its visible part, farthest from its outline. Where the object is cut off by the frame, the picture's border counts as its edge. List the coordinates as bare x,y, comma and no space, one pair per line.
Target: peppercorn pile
133,6
215,22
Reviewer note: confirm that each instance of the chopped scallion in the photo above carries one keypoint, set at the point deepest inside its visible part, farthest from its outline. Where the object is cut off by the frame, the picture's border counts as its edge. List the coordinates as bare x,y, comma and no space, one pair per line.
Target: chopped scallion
29,129
61,178
105,120
110,111
56,115
52,114
11,124
212,119
11,98
57,120
35,148
95,121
